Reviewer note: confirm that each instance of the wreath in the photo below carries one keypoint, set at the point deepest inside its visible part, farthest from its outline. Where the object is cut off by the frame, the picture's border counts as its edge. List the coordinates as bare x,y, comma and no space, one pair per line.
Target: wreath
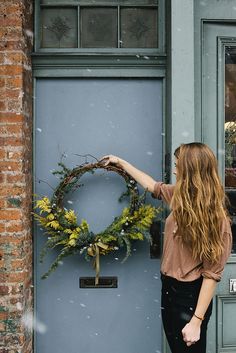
65,232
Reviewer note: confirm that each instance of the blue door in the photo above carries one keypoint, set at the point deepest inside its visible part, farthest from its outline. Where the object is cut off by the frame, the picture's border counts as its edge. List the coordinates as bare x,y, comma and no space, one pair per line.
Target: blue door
97,116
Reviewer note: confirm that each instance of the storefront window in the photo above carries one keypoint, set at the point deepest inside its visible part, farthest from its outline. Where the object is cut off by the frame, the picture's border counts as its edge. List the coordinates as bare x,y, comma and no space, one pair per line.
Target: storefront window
230,134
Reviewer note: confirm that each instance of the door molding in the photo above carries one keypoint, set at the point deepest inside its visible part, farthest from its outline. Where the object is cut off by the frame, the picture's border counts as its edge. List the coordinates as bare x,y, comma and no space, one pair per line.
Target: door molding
216,103
62,65
224,344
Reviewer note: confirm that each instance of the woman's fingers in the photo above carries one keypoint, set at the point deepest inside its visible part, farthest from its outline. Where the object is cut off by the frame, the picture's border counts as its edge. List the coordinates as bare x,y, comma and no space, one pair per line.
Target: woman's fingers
190,334
109,159
105,160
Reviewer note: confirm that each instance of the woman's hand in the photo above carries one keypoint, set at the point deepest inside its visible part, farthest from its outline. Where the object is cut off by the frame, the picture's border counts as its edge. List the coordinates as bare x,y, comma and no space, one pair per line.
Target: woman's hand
142,178
110,159
191,331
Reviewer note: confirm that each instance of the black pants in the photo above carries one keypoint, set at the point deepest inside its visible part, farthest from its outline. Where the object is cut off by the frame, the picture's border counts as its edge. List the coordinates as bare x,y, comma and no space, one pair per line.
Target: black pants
179,300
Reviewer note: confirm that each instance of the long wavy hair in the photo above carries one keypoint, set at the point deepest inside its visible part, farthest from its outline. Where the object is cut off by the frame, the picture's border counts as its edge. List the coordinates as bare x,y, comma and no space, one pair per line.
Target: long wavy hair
199,202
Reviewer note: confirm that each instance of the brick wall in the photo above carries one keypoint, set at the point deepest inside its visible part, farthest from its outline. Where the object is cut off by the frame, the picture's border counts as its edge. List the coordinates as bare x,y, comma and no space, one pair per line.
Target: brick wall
15,175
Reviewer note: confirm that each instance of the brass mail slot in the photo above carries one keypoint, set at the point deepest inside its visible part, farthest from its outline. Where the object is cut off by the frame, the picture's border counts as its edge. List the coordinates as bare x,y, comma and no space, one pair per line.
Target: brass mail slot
104,282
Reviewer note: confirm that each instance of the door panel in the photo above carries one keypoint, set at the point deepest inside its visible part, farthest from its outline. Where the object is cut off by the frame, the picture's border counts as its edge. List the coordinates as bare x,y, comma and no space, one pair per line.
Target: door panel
217,37
98,116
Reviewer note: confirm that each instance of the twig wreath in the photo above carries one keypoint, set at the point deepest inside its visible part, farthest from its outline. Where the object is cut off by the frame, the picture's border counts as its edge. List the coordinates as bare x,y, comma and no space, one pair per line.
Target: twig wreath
64,231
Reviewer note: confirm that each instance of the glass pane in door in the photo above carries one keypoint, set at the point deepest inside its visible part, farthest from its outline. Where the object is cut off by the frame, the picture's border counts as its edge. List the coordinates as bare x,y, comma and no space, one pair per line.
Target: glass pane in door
230,134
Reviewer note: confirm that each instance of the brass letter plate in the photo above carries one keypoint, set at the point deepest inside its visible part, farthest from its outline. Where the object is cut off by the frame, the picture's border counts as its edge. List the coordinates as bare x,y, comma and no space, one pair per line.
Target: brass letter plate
104,282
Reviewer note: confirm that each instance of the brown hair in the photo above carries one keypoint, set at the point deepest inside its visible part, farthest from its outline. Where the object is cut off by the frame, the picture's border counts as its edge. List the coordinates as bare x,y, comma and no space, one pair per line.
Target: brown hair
198,202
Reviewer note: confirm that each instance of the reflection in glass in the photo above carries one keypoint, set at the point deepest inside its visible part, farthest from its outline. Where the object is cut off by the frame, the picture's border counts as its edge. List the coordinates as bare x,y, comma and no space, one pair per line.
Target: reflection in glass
98,27
59,28
230,134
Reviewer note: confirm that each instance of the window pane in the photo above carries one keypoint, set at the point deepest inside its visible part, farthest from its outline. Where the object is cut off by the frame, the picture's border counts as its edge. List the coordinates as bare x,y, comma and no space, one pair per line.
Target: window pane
98,27
139,27
59,28
230,134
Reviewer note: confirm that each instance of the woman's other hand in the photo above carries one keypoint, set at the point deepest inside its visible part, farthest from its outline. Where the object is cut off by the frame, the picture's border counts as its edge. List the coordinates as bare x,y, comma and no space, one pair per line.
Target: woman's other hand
191,332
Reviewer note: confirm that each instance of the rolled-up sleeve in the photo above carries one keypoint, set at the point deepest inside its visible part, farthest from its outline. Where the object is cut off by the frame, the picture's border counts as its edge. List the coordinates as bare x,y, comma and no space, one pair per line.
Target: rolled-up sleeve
215,270
163,191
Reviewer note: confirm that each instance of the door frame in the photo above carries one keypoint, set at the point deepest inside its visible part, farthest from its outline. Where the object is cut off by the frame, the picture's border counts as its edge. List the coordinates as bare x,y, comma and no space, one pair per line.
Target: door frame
207,134
55,67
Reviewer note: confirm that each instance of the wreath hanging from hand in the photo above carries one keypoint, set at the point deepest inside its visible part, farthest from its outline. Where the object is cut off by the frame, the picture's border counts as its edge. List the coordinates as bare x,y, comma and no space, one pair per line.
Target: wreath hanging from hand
71,237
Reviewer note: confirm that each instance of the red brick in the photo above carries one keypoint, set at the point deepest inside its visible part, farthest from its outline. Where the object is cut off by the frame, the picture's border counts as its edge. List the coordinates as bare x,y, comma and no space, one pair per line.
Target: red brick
11,239
11,141
2,153
3,106
10,215
14,105
10,33
16,340
11,9
12,94
2,226
17,277
2,56
2,82
7,130
2,327
14,58
11,45
11,191
8,21
15,178
15,155
10,166
3,315
18,264
4,290
14,227
10,117
14,82
11,70
2,205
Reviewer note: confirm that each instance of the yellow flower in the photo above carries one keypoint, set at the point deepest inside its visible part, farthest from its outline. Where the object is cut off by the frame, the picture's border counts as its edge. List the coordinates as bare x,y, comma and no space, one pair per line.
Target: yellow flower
137,235
71,217
125,212
67,231
53,224
44,205
74,235
72,242
84,225
50,217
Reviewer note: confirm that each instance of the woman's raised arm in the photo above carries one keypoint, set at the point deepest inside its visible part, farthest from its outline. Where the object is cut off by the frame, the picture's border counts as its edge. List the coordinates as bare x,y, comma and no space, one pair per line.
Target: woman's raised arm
145,180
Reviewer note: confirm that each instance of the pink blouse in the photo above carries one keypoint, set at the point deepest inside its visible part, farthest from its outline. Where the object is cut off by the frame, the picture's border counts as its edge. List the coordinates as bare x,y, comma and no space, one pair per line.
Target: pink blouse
177,261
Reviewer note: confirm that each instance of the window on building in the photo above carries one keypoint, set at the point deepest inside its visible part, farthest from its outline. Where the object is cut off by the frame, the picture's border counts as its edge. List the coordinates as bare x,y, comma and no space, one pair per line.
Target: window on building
99,24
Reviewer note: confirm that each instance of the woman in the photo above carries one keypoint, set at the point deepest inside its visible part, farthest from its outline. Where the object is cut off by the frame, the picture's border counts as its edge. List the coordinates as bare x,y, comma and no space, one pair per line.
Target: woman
197,243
